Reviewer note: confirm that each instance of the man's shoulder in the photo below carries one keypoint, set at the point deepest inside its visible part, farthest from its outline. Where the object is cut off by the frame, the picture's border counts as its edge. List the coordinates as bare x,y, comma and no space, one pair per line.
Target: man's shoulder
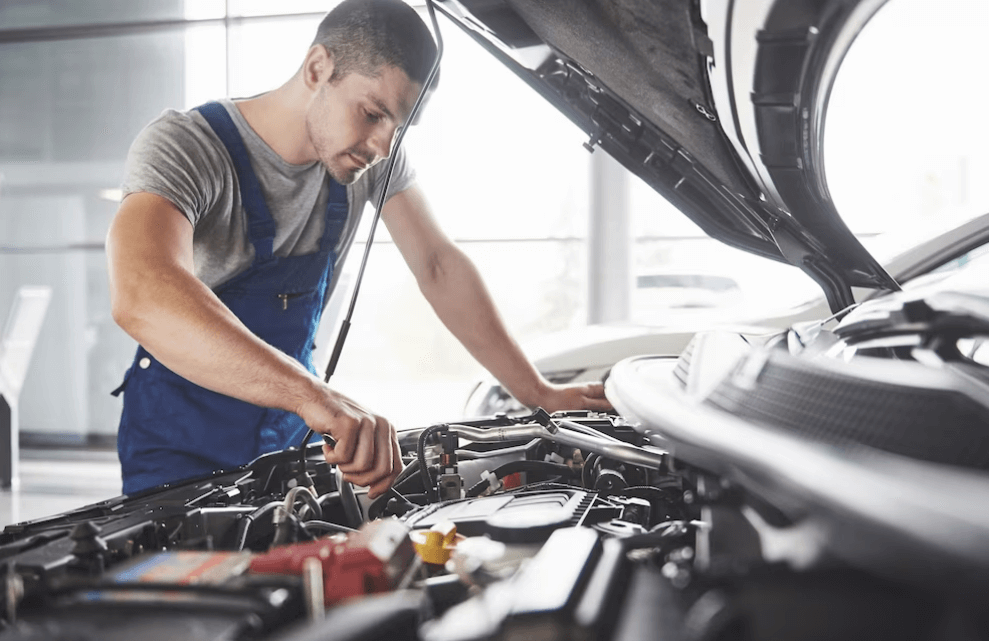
182,139
177,124
177,157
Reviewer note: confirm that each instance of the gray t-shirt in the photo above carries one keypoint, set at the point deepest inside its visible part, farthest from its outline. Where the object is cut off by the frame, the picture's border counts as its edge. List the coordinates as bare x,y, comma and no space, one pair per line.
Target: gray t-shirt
180,158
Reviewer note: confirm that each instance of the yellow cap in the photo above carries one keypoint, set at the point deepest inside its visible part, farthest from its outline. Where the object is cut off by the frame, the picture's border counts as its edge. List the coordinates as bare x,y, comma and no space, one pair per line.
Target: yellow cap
436,544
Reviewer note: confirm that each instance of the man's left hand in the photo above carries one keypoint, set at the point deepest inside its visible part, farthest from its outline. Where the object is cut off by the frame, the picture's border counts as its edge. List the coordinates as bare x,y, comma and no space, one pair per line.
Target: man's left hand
575,396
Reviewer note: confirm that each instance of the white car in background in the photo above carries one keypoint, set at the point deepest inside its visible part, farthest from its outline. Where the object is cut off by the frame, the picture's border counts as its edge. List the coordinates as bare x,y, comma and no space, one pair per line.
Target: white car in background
588,353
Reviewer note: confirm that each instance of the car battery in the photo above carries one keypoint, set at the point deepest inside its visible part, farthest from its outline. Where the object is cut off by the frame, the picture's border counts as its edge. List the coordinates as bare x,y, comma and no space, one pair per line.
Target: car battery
372,560
183,568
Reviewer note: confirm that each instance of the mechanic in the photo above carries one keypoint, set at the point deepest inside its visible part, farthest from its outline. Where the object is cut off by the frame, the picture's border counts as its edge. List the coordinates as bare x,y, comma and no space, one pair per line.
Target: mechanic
221,259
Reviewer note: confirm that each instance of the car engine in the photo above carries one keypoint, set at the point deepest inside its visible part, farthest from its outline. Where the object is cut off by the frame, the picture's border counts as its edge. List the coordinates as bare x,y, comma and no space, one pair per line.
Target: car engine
573,525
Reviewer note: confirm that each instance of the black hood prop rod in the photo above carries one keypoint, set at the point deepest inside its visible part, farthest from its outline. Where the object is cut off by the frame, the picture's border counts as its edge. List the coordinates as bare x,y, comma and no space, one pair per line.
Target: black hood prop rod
345,325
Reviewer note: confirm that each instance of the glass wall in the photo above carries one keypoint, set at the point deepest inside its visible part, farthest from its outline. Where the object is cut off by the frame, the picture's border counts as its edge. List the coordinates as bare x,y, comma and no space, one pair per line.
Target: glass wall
504,172
69,107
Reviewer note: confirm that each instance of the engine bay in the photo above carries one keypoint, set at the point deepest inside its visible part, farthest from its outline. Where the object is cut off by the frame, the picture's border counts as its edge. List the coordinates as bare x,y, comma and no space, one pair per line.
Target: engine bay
709,508
519,534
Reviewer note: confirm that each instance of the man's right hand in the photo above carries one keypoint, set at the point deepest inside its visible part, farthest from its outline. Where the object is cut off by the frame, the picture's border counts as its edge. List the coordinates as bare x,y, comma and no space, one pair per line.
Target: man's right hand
366,449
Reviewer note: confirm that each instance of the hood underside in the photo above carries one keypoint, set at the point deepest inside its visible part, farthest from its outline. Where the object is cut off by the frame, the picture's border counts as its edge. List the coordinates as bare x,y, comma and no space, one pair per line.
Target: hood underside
636,76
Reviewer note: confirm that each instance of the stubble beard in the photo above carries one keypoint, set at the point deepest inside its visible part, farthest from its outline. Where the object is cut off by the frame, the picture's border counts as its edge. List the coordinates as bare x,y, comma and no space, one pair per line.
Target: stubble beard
339,173
344,177
340,169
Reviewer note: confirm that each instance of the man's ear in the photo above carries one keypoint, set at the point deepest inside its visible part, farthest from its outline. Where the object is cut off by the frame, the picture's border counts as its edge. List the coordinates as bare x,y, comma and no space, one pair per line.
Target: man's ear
317,67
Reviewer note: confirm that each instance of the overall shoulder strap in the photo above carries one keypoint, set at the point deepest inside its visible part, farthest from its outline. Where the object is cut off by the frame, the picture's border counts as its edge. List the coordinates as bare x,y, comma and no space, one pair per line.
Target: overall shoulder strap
337,209
261,226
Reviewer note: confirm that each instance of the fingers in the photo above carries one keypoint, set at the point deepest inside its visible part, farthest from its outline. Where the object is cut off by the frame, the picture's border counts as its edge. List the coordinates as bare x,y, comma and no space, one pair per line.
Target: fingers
344,450
364,451
382,486
367,453
594,390
578,396
595,400
597,404
383,468
363,439
347,434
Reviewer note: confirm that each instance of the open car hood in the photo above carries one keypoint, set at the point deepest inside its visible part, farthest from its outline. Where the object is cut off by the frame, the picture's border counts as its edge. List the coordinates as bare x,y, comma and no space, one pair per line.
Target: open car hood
718,105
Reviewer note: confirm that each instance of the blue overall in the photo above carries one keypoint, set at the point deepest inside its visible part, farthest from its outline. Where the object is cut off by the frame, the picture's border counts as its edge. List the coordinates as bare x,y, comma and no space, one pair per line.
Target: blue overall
172,429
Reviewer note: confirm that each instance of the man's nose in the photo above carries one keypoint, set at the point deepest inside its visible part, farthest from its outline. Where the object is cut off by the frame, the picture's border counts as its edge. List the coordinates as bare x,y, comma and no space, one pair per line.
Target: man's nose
381,141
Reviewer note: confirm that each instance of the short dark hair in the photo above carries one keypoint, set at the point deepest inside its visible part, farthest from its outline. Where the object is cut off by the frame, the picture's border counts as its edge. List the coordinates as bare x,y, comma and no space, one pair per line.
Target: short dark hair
363,35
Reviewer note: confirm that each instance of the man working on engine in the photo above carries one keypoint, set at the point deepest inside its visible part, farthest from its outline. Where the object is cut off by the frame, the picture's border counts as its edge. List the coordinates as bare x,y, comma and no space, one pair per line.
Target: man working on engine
222,253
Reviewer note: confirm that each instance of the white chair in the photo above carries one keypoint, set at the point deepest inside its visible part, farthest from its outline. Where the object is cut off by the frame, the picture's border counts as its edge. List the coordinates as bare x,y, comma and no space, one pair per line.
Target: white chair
16,346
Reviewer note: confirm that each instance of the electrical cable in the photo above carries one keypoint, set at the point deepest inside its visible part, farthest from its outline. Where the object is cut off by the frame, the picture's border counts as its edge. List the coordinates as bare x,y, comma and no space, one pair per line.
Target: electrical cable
326,526
427,479
379,504
345,325
520,466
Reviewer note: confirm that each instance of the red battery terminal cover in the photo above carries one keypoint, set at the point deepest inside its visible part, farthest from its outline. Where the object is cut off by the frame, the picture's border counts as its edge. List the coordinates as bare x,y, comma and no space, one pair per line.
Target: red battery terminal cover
368,561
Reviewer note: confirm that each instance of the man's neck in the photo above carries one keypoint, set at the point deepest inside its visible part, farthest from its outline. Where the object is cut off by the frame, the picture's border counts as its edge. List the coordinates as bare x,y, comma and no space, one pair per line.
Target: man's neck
279,118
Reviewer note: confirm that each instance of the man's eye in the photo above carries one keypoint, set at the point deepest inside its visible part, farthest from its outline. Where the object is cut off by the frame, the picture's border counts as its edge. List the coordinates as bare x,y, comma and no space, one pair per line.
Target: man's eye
372,117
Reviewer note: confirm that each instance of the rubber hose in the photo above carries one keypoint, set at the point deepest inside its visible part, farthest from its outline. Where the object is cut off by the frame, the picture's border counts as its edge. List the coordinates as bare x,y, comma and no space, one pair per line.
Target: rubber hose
307,498
245,523
407,472
322,500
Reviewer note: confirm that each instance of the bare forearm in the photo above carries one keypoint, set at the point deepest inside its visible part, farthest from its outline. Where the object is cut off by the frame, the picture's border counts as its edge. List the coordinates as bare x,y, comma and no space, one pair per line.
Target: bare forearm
189,330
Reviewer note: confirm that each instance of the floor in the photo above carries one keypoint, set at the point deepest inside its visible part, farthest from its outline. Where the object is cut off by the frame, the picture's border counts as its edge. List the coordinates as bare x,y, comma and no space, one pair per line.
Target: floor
54,481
